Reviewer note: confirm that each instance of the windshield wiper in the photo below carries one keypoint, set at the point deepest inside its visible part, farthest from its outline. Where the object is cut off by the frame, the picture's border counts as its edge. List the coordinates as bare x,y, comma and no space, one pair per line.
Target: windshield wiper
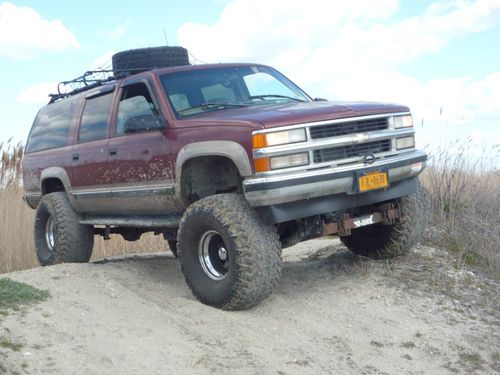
275,96
213,105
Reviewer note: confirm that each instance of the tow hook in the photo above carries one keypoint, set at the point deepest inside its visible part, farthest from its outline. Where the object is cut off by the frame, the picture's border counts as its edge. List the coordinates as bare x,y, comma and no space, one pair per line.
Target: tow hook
387,214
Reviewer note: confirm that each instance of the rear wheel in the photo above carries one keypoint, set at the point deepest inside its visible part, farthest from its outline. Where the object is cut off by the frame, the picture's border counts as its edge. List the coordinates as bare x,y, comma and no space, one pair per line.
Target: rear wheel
58,235
229,257
387,241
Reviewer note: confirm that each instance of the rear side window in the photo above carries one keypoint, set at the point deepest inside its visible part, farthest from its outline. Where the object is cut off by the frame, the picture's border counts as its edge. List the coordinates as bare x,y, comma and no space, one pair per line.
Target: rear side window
94,122
51,126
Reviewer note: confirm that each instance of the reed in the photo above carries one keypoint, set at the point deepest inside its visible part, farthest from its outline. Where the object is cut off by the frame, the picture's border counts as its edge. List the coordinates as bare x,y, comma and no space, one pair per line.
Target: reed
465,203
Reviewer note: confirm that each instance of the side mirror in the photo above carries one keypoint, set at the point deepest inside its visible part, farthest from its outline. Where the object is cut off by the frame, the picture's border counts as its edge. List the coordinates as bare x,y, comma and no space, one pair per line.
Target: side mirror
141,123
320,100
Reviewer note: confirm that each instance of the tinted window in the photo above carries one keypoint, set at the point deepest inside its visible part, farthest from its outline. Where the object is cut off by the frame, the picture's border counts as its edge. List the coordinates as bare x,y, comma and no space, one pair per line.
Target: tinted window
136,106
95,118
51,126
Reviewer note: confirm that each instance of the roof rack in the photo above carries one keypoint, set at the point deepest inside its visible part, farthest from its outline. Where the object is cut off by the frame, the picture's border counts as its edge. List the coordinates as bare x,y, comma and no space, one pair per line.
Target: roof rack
89,80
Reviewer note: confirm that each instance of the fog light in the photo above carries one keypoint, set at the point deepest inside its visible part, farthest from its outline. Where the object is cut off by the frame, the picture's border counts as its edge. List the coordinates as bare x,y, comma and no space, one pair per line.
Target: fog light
405,142
288,161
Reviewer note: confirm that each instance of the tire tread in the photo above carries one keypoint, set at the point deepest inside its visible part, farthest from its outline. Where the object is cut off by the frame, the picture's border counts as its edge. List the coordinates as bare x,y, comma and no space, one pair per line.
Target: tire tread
257,245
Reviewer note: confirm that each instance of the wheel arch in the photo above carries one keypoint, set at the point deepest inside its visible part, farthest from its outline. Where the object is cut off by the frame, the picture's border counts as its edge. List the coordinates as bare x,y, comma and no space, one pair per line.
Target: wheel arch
223,150
56,179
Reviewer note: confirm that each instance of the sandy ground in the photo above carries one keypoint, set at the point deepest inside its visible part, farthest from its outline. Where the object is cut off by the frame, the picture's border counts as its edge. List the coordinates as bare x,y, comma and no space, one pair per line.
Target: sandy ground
333,313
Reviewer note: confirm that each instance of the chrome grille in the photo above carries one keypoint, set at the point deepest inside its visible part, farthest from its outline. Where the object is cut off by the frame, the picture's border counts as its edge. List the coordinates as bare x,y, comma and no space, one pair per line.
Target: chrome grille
351,151
344,128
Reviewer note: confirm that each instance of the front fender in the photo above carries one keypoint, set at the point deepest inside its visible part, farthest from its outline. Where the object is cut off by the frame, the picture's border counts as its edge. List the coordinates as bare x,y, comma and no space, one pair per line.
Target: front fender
231,150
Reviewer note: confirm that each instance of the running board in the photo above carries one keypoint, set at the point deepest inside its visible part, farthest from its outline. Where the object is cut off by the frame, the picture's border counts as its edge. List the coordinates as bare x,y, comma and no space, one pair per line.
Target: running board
170,221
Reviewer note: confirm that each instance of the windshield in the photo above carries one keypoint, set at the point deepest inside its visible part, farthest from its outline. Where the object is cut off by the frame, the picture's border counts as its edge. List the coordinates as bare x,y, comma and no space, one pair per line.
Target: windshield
199,91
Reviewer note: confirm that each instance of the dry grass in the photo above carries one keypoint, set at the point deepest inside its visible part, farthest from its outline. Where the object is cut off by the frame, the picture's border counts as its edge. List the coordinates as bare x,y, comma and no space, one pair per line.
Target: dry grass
16,222
465,205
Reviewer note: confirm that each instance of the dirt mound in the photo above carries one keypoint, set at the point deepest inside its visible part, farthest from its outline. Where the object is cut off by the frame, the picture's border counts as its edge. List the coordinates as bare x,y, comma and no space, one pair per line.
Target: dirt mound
332,313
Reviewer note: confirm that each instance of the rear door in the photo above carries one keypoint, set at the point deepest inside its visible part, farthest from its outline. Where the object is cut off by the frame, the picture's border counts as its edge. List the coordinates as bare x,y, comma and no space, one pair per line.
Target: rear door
89,170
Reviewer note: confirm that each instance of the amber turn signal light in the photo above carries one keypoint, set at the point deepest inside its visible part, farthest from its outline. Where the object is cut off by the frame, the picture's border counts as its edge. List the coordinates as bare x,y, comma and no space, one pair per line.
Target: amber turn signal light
261,165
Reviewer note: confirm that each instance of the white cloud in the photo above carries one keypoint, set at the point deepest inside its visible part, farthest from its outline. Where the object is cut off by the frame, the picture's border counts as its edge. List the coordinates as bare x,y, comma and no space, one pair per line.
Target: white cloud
343,31
118,31
37,93
352,50
24,33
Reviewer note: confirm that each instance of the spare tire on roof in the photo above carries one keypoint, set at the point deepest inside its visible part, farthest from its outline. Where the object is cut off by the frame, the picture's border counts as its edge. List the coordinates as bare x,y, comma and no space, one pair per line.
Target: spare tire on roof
141,59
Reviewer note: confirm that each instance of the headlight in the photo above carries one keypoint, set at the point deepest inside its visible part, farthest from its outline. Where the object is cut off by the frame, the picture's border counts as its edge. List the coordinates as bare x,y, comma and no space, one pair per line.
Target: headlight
405,142
403,122
278,138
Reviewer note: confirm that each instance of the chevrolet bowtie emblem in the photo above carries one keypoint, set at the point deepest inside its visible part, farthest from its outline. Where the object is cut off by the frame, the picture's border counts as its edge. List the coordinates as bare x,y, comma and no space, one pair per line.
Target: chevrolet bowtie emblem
360,137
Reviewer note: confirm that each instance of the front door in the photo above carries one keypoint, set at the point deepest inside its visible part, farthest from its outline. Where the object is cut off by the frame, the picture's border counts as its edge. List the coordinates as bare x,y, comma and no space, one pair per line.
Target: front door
140,160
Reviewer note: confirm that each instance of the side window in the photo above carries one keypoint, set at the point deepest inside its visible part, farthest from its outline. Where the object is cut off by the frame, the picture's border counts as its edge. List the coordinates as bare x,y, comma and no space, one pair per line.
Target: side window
51,126
136,111
94,122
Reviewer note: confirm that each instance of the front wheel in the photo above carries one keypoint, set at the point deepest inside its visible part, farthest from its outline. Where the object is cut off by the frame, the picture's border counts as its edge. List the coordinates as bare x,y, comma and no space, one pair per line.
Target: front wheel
229,257
173,247
59,237
381,241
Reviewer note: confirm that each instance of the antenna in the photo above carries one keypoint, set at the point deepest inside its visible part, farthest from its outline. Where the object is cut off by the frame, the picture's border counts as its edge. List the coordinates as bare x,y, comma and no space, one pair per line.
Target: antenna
165,35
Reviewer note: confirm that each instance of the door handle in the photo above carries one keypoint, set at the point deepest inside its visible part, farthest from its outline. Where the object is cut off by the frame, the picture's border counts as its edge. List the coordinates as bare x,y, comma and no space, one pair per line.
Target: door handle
76,157
113,151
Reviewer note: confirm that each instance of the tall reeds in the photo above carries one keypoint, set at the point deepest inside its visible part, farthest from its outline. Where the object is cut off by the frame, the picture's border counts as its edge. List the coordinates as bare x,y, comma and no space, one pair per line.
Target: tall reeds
465,203
15,217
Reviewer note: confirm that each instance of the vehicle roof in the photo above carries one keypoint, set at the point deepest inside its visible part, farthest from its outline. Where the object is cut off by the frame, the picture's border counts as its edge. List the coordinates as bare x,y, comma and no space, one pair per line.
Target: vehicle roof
182,68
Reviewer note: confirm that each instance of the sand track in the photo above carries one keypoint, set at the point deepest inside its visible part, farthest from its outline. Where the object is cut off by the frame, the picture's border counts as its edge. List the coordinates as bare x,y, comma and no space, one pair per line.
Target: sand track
333,313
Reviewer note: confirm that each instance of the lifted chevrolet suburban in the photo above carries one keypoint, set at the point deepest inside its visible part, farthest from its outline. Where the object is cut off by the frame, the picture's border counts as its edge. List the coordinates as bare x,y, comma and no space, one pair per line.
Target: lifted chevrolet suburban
229,162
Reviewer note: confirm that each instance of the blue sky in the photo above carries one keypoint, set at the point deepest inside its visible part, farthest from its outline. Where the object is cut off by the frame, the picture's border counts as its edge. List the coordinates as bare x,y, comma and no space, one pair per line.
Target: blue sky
442,58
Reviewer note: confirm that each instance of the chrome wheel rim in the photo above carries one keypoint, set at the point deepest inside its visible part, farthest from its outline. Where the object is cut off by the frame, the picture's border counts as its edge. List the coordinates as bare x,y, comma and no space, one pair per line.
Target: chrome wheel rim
213,255
49,234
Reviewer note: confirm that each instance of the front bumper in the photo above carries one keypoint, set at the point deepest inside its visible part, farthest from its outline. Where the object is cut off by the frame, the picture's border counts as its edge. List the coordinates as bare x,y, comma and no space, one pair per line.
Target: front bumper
283,189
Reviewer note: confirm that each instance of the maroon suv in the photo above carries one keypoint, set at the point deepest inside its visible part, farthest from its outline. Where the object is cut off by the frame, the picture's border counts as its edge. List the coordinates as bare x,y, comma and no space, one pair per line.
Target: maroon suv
229,162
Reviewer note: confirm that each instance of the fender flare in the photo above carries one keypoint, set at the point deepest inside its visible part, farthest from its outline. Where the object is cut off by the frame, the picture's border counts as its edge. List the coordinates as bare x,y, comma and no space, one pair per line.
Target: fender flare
60,174
229,149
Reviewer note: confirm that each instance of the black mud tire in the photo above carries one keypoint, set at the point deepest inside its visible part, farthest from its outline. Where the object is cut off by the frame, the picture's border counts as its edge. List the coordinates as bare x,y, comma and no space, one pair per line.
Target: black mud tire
388,241
141,59
72,242
253,252
173,247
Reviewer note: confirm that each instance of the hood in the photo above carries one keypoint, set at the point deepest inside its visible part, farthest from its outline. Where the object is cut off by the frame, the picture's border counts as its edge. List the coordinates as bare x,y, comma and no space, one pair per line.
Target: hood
269,116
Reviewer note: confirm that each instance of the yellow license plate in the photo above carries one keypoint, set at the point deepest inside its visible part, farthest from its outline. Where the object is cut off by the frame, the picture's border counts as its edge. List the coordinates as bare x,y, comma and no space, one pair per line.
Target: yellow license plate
372,180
